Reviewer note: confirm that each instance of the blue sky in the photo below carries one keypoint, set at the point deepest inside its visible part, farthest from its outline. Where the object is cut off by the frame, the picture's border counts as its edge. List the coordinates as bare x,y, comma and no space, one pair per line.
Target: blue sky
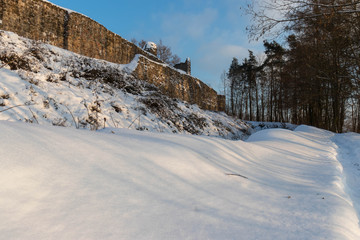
210,32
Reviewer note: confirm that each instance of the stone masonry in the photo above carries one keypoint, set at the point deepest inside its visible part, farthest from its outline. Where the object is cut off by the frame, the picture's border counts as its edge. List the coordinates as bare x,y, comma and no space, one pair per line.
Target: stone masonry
46,22
176,84
185,66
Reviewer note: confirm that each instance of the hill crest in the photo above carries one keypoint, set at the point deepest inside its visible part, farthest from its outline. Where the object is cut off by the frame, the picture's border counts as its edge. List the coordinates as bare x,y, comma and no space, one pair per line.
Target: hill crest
54,86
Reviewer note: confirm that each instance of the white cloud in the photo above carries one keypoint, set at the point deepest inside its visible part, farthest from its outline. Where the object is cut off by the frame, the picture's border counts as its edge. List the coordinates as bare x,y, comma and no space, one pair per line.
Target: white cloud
210,36
214,58
189,25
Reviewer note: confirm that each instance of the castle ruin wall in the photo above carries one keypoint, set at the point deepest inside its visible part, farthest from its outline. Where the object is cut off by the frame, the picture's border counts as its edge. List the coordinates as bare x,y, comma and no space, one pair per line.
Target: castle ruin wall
46,22
176,84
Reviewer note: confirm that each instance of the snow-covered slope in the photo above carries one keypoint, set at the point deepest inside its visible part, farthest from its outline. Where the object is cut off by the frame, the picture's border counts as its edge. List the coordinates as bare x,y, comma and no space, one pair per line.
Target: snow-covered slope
57,87
348,149
62,183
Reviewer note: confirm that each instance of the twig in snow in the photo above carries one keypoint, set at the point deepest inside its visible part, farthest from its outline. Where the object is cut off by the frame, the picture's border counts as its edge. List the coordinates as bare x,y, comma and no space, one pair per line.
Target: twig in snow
77,125
112,119
21,105
34,116
133,121
234,174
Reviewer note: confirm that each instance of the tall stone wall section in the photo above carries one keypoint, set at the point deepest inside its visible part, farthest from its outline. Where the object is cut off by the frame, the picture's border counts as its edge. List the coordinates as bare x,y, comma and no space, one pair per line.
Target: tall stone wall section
89,38
33,19
43,21
176,84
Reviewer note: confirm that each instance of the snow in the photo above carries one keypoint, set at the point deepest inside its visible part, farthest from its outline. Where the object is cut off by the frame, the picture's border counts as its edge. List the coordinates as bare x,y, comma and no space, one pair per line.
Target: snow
57,87
63,183
66,9
349,156
118,183
150,45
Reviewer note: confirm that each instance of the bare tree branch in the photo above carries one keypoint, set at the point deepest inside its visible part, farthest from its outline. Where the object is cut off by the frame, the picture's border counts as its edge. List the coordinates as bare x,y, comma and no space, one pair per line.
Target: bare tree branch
273,17
21,105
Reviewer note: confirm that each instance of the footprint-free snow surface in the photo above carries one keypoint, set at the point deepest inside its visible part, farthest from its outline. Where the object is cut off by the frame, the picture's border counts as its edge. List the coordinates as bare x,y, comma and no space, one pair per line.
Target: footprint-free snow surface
60,183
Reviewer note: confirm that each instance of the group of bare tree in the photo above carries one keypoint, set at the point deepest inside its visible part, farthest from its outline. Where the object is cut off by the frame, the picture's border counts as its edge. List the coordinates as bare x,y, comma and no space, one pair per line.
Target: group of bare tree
313,77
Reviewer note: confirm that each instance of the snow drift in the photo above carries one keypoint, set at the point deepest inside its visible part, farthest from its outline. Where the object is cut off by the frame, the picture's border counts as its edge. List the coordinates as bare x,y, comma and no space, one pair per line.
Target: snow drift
116,183
62,183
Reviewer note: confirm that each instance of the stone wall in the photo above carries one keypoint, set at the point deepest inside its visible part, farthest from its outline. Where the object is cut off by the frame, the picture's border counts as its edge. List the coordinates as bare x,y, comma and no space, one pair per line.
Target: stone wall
39,20
185,66
177,85
89,38
43,21
33,19
221,103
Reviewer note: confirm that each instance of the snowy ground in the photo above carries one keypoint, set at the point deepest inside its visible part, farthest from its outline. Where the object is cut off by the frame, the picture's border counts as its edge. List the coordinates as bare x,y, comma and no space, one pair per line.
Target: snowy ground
117,183
349,156
63,183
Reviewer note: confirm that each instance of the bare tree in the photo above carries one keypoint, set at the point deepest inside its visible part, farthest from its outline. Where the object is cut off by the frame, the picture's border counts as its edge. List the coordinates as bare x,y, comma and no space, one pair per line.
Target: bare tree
175,59
274,17
134,41
142,44
164,52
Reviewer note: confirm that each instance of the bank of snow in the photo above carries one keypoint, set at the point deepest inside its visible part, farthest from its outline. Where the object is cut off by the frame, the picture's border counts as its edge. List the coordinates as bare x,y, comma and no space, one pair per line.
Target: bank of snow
52,86
349,156
62,183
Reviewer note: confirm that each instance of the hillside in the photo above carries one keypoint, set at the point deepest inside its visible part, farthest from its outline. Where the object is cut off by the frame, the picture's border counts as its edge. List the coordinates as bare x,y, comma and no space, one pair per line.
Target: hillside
44,84
62,183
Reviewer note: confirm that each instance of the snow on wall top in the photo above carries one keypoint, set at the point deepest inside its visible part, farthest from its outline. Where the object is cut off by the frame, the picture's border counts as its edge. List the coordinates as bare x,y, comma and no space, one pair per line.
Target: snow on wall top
66,9
150,45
